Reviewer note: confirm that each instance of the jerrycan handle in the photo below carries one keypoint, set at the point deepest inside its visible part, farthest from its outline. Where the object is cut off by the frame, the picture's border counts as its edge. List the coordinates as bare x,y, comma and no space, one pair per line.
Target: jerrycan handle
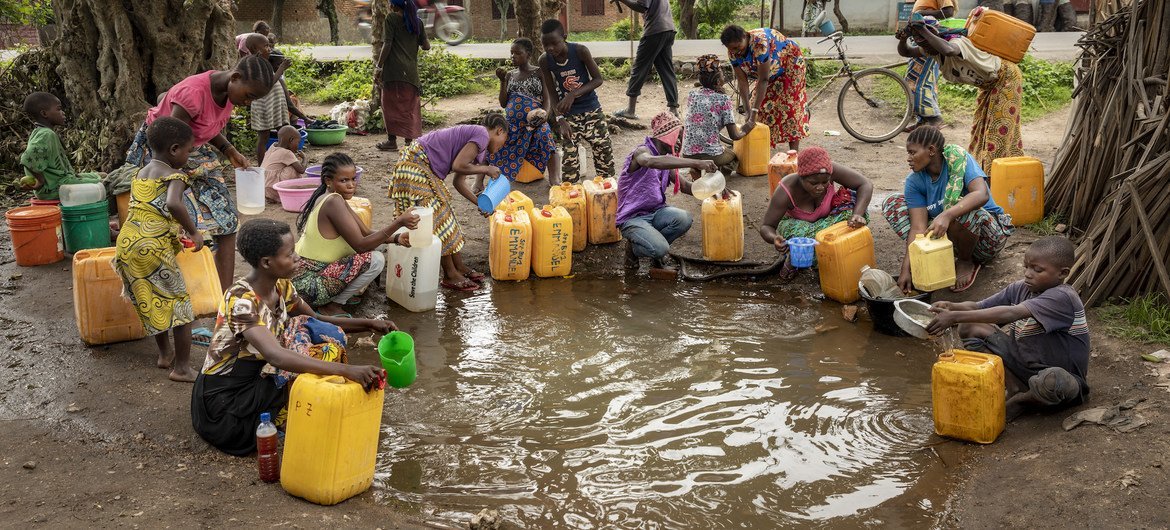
334,379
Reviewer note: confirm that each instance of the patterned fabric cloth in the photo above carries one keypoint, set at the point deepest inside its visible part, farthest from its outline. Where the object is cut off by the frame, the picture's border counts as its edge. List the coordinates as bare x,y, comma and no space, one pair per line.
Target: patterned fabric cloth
922,76
299,338
785,101
707,63
240,310
991,231
146,261
524,144
532,86
413,183
995,131
708,112
319,282
956,160
271,111
46,155
209,201
592,128
841,209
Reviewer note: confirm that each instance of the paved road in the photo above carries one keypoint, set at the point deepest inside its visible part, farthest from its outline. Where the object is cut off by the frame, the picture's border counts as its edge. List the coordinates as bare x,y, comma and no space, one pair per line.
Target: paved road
868,48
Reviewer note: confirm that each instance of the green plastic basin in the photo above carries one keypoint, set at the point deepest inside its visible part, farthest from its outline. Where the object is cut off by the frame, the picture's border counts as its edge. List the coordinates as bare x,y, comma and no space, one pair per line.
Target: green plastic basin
327,136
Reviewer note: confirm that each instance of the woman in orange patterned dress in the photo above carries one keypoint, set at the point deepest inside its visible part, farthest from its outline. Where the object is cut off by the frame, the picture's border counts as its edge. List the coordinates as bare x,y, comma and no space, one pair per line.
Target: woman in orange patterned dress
777,66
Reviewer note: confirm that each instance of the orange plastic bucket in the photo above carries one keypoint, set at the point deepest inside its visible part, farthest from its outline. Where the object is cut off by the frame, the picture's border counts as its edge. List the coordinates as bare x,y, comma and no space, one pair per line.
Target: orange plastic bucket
44,202
36,235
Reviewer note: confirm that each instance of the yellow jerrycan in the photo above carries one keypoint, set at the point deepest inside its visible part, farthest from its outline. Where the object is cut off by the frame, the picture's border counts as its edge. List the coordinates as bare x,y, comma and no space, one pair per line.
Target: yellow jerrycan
754,151
528,173
842,253
103,316
364,210
932,263
510,250
967,389
601,206
571,197
202,279
552,242
331,439
723,228
516,200
1017,186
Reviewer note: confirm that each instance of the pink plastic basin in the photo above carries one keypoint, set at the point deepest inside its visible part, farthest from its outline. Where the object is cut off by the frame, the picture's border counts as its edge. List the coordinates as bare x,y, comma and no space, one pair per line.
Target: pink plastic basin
296,192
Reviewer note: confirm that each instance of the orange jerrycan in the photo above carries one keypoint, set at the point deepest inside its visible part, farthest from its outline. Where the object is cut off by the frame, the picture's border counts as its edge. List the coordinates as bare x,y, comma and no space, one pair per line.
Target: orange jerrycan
723,228
1000,34
601,202
331,438
781,165
932,263
528,173
754,151
1017,186
202,279
841,254
364,210
552,242
509,253
516,200
103,315
571,197
967,389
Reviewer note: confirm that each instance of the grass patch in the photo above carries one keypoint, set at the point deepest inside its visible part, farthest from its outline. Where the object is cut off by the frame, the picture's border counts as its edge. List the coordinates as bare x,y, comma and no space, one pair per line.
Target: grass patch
1047,226
1144,319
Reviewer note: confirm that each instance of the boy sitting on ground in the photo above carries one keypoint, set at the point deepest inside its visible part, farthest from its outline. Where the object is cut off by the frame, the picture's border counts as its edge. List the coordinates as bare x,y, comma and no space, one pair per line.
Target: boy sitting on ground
282,161
1045,342
45,158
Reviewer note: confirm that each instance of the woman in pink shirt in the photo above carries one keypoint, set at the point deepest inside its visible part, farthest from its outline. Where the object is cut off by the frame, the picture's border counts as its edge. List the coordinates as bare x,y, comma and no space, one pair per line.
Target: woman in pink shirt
204,101
807,201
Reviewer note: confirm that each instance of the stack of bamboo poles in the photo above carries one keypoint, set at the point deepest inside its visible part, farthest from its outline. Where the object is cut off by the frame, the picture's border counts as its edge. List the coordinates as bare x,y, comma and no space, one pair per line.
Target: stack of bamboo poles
1111,178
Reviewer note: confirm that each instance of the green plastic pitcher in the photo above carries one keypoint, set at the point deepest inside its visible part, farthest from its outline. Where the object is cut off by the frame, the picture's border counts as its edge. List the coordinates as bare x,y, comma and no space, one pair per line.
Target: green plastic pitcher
397,352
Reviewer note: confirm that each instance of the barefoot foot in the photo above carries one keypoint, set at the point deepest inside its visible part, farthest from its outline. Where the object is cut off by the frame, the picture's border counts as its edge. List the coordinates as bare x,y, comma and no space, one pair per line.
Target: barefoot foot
183,374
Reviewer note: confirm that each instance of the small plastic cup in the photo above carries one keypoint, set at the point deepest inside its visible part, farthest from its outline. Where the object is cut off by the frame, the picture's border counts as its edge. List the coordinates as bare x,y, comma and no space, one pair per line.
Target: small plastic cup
801,251
495,192
396,349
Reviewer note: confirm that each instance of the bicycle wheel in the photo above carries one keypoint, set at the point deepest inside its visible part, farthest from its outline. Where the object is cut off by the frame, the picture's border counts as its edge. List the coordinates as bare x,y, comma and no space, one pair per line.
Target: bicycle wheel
874,105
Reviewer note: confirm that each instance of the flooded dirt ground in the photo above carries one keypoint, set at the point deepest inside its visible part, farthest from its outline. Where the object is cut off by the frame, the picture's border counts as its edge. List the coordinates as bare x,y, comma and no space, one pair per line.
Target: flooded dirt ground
605,400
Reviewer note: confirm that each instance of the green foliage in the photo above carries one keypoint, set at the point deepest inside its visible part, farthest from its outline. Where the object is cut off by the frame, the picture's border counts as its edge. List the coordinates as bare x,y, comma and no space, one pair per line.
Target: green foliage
1047,226
349,81
24,12
713,15
441,74
304,77
444,74
239,133
1145,318
1047,87
614,68
624,30
432,118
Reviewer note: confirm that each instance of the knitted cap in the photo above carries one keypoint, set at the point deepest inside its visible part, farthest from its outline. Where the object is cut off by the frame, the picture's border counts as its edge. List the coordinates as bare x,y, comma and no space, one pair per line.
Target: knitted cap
813,160
666,128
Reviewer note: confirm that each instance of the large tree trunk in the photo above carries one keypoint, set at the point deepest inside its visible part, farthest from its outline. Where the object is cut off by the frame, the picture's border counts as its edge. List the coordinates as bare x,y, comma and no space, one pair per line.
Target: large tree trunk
503,6
278,17
531,13
329,9
378,12
115,62
840,16
686,19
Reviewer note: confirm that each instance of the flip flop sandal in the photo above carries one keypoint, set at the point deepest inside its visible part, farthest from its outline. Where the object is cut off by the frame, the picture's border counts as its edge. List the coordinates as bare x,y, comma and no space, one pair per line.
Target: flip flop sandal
466,286
201,336
626,114
970,282
477,277
788,272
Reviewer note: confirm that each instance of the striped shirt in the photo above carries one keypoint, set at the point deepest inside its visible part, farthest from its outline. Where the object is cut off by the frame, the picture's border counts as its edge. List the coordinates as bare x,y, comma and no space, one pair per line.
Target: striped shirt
1056,333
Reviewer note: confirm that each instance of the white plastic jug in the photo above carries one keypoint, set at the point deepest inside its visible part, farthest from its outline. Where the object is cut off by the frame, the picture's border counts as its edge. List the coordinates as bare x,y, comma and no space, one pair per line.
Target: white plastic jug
250,190
412,274
709,184
421,236
79,194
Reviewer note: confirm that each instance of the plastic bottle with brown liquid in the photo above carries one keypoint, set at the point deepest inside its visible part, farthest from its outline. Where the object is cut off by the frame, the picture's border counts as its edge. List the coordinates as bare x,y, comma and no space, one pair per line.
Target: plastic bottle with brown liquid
267,452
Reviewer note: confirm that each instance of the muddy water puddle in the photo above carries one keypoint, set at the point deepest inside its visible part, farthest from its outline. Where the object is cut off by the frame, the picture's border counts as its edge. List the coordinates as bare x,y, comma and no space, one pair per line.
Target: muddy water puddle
591,403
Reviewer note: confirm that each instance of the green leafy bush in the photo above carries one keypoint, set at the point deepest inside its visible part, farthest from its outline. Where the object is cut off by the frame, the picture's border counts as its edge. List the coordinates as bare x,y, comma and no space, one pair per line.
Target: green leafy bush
352,80
444,74
239,133
613,68
624,30
1047,87
441,74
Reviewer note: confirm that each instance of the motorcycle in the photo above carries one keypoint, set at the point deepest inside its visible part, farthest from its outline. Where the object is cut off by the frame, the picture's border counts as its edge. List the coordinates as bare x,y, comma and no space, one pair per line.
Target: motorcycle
450,24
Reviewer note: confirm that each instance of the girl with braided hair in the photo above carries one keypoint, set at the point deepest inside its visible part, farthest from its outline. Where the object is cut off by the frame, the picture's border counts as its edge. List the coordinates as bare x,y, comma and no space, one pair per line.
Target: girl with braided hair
338,253
947,194
204,102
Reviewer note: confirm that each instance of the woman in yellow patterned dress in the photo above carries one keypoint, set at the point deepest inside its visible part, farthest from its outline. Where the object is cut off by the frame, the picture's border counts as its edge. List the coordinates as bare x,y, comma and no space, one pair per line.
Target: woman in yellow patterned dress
149,241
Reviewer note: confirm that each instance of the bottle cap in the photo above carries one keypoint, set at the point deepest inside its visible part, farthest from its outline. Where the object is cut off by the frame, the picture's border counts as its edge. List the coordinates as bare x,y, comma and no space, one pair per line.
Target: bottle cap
265,417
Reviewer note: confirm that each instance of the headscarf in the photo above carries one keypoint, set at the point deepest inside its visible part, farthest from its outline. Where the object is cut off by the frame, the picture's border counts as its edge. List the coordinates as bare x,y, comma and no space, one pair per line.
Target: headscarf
410,13
666,128
708,63
813,161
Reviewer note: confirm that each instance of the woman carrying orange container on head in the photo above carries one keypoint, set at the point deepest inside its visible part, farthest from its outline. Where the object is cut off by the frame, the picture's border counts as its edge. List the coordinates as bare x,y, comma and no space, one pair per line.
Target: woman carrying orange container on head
777,66
807,201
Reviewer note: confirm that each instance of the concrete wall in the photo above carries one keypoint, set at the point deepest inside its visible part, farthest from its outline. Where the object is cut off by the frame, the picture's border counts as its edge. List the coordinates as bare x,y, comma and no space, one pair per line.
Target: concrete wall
863,14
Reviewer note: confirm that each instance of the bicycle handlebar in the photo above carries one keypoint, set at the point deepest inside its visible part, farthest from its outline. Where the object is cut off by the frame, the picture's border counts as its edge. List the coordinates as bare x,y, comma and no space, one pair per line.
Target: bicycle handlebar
836,35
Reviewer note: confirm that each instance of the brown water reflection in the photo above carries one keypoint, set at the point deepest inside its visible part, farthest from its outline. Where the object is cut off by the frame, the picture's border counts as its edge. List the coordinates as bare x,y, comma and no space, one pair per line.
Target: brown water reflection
596,402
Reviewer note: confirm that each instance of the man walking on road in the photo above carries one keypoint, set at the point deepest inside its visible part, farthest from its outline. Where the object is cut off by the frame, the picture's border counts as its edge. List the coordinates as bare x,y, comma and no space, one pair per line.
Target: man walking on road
654,49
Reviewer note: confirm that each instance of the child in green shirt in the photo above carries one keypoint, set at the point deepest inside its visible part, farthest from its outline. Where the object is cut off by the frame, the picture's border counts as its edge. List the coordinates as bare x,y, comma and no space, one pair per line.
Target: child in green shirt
45,158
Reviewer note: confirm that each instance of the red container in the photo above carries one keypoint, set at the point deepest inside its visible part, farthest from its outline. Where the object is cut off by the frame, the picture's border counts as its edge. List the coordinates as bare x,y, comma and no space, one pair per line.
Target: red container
42,202
36,235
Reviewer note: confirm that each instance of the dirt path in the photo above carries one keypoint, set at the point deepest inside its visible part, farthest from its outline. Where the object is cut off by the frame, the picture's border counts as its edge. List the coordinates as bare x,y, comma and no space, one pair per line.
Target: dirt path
98,436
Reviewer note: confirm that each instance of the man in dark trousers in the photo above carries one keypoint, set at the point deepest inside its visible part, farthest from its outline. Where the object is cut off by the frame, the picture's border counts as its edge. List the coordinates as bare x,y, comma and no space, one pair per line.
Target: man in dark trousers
654,49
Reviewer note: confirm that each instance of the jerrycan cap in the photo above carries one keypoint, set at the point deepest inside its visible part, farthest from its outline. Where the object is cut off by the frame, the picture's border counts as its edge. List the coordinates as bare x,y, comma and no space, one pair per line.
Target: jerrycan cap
566,185
573,194
546,211
508,217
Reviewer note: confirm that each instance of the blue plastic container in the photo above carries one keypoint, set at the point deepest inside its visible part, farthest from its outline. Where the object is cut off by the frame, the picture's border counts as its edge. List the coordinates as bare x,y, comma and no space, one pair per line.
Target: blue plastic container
495,192
272,139
827,28
800,251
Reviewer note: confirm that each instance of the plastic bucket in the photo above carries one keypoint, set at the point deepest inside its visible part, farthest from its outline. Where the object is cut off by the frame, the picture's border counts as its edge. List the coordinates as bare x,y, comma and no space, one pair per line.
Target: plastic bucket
827,28
397,352
296,192
315,172
36,235
250,190
800,251
495,192
881,311
86,226
42,202
272,138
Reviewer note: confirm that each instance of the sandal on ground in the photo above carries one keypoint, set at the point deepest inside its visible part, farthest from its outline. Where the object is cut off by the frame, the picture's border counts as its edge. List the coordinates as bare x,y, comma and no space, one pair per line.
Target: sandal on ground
386,145
201,336
970,281
475,276
788,272
466,286
625,113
